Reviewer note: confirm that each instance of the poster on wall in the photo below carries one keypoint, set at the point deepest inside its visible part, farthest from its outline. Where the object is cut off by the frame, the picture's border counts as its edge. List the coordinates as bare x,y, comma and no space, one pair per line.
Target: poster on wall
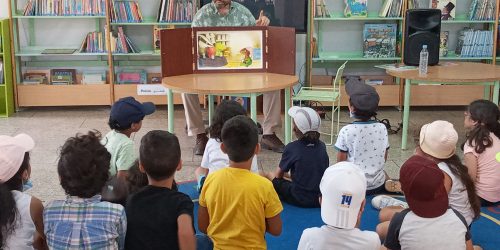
229,50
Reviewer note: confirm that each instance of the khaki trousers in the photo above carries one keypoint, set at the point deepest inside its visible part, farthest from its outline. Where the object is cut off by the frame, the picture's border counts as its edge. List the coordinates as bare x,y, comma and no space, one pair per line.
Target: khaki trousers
271,109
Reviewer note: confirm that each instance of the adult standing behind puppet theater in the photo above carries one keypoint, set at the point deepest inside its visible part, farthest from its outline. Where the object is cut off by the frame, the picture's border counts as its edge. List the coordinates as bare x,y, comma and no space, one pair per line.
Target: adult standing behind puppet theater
228,13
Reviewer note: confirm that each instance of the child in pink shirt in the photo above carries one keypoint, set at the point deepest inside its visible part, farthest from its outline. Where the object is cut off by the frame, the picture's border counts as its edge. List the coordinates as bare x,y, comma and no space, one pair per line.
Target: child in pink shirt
482,149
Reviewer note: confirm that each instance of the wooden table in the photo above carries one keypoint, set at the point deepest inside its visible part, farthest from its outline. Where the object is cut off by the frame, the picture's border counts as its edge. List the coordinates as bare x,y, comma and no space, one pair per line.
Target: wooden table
232,84
456,73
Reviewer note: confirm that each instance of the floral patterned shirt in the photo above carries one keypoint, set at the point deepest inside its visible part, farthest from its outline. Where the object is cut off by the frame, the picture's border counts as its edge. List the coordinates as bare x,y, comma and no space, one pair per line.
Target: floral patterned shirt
208,16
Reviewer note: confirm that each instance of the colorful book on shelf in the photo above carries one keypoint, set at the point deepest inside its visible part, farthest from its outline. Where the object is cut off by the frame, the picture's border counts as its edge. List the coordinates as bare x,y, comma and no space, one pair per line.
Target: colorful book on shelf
93,43
125,12
65,8
33,77
1,48
131,77
379,40
176,11
62,76
356,8
477,43
447,8
443,43
156,39
482,10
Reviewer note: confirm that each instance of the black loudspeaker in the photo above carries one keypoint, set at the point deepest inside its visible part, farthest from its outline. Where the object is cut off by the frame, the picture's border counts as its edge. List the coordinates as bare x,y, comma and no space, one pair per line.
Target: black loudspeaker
423,26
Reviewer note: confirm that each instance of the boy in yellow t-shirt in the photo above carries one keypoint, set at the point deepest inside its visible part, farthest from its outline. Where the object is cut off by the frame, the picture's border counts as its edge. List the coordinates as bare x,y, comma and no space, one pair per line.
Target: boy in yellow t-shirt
237,206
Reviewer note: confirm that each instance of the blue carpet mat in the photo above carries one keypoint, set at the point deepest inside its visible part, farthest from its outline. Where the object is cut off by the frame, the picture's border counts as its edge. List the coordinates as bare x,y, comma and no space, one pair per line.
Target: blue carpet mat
485,230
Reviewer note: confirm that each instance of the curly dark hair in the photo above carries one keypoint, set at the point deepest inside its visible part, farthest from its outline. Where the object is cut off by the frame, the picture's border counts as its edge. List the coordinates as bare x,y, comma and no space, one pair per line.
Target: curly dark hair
8,209
226,110
240,136
486,114
136,179
83,165
159,154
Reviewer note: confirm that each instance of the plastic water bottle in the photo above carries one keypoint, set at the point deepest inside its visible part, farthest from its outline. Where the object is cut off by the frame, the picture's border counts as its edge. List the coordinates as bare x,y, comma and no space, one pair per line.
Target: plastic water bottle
424,58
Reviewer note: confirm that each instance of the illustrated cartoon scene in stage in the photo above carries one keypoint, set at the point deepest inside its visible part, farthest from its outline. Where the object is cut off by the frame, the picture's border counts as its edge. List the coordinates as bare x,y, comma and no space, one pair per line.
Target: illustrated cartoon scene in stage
229,50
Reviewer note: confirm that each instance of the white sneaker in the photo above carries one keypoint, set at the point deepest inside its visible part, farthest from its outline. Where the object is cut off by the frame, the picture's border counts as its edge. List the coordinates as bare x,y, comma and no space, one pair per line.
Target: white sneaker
381,201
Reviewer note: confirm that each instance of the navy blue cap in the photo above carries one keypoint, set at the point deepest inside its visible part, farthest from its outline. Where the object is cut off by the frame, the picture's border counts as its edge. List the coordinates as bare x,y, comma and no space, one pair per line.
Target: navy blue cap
128,110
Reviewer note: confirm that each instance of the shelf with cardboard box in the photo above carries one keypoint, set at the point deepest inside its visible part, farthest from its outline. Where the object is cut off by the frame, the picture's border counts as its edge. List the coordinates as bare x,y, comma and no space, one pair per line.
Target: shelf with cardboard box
467,35
6,83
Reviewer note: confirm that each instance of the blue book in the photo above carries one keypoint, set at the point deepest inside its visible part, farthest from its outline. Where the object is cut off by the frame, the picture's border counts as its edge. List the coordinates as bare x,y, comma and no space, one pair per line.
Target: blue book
356,8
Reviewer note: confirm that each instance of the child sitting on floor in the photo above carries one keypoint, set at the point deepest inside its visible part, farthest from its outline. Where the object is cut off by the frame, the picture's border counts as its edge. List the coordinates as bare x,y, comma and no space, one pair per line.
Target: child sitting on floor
82,220
343,188
158,216
21,222
136,179
125,118
365,142
305,158
438,142
213,158
482,150
237,207
423,225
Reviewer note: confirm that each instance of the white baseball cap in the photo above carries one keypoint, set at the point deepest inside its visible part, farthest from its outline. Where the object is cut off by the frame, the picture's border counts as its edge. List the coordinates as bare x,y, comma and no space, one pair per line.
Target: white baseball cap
12,150
306,119
343,189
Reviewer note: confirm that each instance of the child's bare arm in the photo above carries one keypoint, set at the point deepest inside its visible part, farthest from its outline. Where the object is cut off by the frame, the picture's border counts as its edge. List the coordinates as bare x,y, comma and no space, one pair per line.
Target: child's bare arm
185,232
279,173
386,154
273,225
36,212
469,245
203,219
470,161
341,156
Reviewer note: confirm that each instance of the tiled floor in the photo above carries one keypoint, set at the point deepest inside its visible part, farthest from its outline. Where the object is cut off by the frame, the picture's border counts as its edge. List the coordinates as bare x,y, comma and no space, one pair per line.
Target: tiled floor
50,127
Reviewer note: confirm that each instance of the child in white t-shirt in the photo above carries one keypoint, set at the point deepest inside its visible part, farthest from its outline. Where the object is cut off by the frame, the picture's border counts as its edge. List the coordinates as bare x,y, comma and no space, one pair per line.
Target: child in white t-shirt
343,188
21,220
213,157
365,142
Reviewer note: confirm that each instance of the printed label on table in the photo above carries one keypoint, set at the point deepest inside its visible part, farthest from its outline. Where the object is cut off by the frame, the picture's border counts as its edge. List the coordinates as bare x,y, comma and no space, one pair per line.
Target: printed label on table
151,89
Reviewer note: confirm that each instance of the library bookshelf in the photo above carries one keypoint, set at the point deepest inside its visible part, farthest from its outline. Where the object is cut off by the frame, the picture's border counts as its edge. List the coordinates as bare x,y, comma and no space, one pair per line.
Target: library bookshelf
33,34
6,83
339,39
